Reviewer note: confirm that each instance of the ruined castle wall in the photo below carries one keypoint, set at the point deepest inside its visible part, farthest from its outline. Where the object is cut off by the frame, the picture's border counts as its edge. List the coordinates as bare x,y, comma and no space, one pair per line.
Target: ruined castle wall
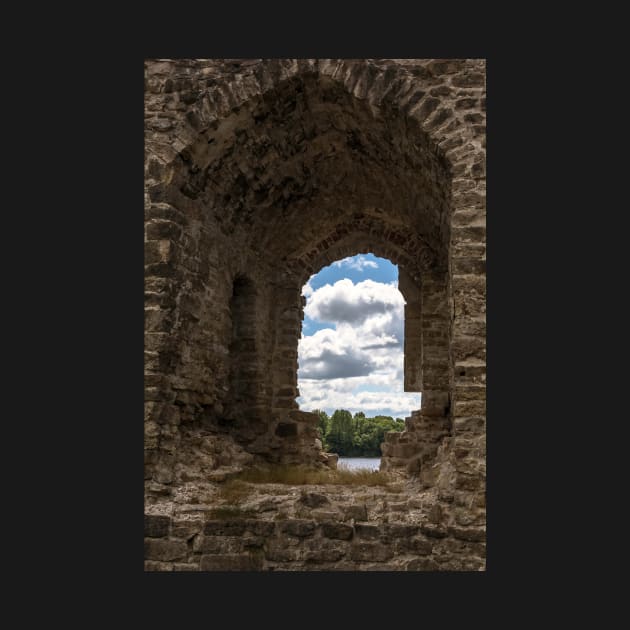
306,544
271,169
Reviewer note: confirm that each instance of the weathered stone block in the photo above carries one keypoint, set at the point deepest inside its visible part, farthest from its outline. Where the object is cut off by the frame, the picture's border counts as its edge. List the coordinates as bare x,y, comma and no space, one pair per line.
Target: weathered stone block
435,514
339,531
298,527
228,527
156,526
220,544
400,530
277,551
466,103
470,391
370,532
474,534
286,429
162,473
164,550
253,542
467,265
319,560
162,251
404,450
462,549
370,552
322,514
159,229
469,408
470,233
166,212
358,512
416,545
471,483
314,499
158,394
464,347
434,531
326,551
260,527
466,517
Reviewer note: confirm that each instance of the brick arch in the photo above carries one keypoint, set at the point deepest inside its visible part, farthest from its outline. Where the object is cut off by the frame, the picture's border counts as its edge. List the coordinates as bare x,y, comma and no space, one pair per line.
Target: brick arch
195,97
258,185
427,340
418,275
204,213
362,235
439,94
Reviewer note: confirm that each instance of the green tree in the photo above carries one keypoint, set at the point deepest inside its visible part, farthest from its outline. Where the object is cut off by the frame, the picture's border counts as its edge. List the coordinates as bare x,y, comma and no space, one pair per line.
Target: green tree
340,432
355,436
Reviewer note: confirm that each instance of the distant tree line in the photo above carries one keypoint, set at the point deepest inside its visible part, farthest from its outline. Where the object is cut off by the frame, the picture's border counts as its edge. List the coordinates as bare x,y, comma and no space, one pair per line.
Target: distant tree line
355,436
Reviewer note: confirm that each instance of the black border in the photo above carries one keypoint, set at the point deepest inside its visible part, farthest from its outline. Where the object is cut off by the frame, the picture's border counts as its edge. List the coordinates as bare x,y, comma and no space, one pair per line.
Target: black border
104,383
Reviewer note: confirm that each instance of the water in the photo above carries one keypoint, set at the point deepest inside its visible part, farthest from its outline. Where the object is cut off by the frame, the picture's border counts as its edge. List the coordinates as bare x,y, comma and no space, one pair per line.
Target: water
372,463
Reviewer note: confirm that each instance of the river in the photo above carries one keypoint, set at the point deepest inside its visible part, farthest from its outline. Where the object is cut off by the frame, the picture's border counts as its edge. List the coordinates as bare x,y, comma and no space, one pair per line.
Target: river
353,463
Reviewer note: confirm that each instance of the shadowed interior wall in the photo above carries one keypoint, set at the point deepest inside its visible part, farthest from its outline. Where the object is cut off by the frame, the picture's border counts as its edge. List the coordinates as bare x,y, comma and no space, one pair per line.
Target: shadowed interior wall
244,394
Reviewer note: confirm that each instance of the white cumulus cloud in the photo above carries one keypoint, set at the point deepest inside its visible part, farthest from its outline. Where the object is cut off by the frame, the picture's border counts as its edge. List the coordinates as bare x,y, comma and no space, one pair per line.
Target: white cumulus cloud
345,301
356,262
362,352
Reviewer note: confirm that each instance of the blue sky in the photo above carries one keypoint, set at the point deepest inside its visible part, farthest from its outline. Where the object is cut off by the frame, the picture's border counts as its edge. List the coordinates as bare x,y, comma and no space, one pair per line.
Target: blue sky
355,268
351,351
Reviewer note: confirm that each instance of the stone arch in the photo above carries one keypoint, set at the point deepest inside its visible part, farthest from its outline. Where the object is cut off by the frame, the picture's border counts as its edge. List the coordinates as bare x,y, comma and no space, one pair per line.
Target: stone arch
427,337
415,262
239,175
410,266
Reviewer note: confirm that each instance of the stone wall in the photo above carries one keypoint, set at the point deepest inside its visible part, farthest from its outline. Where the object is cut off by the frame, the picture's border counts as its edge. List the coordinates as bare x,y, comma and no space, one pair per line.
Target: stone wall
285,530
307,545
257,174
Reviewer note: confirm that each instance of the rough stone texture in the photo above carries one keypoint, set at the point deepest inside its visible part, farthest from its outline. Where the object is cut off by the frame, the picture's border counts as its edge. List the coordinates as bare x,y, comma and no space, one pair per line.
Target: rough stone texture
164,549
314,500
257,174
356,512
298,528
156,526
337,530
370,552
278,538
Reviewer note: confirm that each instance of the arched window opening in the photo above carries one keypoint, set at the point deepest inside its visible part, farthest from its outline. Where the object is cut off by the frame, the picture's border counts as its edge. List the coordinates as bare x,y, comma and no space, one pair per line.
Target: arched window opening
356,368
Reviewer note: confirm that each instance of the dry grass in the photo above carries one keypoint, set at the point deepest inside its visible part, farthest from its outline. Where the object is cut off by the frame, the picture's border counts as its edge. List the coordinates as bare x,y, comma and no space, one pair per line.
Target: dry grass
301,475
234,491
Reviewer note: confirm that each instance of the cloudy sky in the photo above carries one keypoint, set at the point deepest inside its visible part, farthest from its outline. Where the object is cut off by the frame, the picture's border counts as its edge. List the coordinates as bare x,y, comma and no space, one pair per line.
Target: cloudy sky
351,350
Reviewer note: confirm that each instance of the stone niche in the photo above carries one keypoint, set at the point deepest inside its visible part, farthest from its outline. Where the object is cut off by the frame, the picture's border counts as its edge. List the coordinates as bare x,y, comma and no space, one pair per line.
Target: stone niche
257,174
